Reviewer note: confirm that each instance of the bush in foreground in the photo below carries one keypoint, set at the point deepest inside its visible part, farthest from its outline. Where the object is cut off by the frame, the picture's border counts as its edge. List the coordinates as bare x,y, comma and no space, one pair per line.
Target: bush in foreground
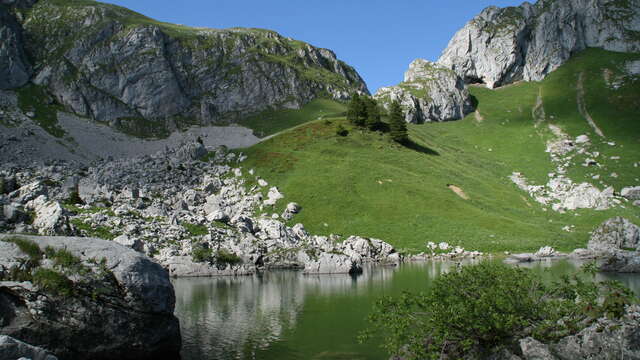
490,306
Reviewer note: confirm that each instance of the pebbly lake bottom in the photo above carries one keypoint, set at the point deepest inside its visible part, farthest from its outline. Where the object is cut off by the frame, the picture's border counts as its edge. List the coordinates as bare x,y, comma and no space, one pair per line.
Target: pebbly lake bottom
288,315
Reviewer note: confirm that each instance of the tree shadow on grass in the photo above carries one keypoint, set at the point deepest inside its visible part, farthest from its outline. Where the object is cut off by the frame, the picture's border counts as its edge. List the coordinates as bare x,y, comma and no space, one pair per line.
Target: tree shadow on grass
410,144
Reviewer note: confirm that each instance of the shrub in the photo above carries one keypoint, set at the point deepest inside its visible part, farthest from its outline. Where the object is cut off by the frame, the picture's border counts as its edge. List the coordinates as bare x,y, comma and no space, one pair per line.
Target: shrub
224,257
195,229
488,306
341,131
202,254
74,198
53,282
28,247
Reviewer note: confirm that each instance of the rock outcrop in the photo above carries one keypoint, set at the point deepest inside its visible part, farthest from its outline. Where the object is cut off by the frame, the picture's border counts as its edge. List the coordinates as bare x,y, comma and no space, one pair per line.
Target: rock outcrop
428,93
12,349
86,298
15,69
148,78
504,45
617,243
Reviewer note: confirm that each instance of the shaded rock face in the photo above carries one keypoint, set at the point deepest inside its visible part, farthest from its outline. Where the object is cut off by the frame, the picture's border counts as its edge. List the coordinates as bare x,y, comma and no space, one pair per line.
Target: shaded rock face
117,66
11,348
119,306
428,93
500,46
15,69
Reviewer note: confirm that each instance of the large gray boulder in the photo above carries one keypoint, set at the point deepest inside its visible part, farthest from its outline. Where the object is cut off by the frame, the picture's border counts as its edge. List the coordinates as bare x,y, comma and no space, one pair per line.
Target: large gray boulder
614,235
428,93
12,349
112,303
331,263
503,45
15,69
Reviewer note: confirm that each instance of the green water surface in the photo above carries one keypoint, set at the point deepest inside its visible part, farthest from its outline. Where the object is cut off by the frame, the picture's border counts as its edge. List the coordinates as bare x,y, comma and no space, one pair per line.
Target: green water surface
287,315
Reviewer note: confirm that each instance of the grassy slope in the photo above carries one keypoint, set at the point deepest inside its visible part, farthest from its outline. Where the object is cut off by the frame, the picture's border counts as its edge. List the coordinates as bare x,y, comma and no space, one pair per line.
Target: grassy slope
272,121
362,184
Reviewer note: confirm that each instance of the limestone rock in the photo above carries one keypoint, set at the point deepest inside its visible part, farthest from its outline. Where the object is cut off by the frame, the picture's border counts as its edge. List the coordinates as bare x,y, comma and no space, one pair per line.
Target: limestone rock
500,46
631,192
11,349
50,217
614,235
428,93
131,317
328,263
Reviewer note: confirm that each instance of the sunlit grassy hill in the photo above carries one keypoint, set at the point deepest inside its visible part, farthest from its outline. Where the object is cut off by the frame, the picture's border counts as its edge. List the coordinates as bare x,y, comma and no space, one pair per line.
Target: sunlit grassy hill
364,184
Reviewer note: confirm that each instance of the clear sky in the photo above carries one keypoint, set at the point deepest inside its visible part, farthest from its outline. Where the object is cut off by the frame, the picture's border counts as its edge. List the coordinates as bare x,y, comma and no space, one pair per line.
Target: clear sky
377,37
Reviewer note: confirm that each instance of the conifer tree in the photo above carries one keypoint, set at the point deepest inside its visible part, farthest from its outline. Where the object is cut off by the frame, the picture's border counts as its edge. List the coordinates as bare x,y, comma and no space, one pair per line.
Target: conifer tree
353,108
373,114
397,125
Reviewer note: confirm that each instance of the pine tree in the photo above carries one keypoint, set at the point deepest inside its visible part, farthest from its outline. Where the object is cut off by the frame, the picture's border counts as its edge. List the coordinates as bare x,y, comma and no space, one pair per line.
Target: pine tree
361,111
373,114
353,108
397,125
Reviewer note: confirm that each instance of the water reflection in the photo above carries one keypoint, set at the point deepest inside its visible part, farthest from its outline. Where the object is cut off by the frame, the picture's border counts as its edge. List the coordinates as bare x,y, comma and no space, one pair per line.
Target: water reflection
288,315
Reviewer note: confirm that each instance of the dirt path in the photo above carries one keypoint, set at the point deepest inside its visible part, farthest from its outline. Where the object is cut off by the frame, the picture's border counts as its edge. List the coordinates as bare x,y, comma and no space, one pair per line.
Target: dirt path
582,108
538,110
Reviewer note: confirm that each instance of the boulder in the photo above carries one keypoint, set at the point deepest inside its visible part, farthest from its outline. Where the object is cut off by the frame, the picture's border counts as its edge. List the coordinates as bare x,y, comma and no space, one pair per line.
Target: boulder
614,235
631,192
332,263
119,307
50,217
133,243
273,196
12,349
13,213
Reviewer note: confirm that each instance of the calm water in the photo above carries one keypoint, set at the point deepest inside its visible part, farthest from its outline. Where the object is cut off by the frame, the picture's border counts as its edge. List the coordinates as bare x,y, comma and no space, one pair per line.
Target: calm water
287,315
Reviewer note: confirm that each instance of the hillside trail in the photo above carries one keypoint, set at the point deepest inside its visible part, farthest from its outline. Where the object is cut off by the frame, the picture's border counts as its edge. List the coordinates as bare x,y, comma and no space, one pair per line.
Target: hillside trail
582,108
537,112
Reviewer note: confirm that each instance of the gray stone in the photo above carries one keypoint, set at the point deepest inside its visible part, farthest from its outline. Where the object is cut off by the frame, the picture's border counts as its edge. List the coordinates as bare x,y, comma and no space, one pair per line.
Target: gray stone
11,349
328,263
428,93
131,318
532,349
614,235
631,192
501,46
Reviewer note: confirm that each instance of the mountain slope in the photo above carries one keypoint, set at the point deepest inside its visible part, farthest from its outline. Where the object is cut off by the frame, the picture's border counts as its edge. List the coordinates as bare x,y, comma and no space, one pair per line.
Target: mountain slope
147,78
364,184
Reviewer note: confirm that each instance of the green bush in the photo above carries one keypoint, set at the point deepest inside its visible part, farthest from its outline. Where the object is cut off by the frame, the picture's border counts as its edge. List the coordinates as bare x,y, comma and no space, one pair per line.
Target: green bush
195,229
485,307
341,131
74,198
53,282
201,254
224,257
28,247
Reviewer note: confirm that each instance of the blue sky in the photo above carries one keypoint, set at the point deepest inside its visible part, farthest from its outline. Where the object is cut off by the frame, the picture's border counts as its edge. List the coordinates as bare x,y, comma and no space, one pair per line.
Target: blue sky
378,37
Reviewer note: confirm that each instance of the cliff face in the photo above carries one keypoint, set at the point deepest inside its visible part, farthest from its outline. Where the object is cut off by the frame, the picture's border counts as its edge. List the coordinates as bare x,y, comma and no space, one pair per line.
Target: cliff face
116,66
14,66
500,46
428,93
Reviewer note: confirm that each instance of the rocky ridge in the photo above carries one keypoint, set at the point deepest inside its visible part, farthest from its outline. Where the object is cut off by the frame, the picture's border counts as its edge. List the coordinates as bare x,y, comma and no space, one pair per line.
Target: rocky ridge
504,45
196,218
149,78
428,93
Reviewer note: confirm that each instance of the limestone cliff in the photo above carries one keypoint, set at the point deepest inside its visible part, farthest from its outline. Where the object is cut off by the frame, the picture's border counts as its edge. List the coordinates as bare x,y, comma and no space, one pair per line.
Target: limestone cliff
428,93
500,46
119,67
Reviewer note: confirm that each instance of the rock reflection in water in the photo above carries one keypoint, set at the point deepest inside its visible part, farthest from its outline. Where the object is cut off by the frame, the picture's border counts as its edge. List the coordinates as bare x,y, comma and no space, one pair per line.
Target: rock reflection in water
288,315
233,317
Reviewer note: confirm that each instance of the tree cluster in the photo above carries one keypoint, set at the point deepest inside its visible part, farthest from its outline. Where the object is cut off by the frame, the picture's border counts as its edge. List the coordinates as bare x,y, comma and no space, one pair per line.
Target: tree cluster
364,112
